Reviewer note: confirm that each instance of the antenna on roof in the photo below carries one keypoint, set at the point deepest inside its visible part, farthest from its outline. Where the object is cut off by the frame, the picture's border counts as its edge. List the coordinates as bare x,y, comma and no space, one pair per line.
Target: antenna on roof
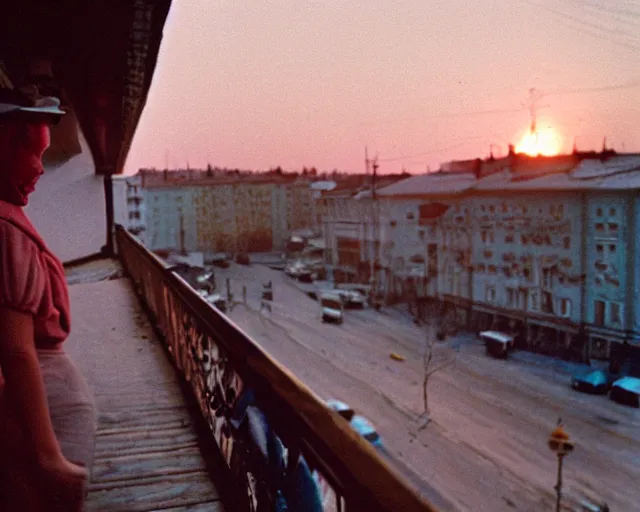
575,145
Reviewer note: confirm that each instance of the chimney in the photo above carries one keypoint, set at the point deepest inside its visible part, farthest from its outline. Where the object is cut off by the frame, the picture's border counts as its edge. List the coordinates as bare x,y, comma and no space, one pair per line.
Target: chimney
512,150
166,174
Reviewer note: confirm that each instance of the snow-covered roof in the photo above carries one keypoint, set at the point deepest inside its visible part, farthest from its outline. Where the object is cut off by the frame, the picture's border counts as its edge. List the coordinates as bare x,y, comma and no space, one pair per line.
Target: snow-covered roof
435,183
617,172
595,167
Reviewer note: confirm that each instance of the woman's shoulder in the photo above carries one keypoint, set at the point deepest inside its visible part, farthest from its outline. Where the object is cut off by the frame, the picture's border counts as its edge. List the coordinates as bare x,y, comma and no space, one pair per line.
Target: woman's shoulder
16,241
22,272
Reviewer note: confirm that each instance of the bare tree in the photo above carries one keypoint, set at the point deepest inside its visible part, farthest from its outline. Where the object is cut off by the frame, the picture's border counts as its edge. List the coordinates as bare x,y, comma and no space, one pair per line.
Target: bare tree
434,359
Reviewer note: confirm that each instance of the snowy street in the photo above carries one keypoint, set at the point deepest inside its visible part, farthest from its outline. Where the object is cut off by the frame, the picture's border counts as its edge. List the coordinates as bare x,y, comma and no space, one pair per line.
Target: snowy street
486,445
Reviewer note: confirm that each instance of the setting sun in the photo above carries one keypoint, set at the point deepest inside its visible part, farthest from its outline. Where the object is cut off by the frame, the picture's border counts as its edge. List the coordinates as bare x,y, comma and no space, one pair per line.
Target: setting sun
544,141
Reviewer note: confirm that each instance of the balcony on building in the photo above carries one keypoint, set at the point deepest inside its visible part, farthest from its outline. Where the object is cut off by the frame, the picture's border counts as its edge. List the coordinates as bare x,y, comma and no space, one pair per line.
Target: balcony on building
176,383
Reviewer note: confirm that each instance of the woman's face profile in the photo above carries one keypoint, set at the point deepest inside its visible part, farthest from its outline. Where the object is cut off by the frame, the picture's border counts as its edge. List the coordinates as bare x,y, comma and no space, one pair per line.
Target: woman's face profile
24,145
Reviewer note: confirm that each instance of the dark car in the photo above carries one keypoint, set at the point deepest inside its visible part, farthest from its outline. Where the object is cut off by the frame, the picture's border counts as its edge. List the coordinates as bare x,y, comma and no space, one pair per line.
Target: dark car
591,381
221,263
626,391
243,259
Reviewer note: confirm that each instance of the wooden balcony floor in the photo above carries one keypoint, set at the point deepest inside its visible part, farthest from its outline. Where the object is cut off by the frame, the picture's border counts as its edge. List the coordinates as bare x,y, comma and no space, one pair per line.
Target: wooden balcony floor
147,452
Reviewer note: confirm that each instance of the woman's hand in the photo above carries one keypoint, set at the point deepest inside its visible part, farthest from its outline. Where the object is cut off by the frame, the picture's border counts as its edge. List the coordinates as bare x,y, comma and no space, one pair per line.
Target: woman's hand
63,481
58,468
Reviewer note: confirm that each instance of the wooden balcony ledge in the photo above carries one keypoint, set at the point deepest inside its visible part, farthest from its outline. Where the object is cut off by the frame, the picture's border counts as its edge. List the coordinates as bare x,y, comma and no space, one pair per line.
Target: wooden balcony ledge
148,453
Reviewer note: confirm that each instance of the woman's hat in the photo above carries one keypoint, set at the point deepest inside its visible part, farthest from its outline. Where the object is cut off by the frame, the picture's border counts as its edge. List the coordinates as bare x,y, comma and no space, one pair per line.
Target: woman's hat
26,100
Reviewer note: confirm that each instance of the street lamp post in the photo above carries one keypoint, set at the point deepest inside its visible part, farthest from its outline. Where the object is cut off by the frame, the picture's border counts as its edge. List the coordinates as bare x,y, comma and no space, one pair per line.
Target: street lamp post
560,444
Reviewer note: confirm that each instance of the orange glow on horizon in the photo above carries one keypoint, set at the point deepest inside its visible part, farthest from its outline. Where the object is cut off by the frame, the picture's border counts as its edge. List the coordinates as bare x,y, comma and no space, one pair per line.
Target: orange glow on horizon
545,141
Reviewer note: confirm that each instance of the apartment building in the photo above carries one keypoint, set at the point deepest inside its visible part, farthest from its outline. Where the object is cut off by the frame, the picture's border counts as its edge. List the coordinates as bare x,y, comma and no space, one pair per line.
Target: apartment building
543,246
195,211
128,204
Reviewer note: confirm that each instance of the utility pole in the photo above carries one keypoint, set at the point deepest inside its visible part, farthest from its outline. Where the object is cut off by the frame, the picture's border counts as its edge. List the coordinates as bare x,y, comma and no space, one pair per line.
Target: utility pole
364,227
374,226
182,250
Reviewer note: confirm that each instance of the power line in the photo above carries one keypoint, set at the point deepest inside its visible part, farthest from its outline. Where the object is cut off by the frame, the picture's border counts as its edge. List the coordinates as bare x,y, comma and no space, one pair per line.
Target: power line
431,151
449,116
603,88
567,17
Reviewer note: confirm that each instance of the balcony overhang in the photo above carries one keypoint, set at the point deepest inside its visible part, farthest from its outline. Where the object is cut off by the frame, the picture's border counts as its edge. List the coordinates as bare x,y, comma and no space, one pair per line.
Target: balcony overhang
102,54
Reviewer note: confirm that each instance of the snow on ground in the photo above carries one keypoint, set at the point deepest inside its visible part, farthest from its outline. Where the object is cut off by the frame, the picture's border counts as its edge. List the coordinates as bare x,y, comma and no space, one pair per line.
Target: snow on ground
486,447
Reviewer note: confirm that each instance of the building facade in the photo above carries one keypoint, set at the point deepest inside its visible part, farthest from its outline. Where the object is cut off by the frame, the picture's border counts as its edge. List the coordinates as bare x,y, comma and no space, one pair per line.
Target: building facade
128,204
194,212
544,247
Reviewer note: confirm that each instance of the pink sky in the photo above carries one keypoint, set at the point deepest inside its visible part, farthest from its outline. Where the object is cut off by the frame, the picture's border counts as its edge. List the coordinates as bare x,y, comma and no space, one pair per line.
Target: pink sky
309,83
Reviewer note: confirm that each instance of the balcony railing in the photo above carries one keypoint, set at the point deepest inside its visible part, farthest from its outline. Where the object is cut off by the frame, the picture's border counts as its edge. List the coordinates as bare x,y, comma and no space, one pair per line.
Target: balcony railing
283,448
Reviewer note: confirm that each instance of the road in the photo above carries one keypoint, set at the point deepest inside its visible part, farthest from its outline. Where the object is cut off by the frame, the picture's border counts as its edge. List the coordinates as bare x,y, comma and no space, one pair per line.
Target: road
486,445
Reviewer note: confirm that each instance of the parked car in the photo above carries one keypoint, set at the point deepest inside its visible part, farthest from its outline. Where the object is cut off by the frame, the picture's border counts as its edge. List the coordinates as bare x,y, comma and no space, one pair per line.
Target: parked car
332,309
497,344
352,299
591,381
242,258
218,301
366,429
341,408
626,391
306,275
221,263
359,423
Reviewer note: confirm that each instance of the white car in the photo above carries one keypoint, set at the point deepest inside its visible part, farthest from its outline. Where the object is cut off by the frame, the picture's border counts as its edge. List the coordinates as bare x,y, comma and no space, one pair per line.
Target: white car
332,309
352,298
359,423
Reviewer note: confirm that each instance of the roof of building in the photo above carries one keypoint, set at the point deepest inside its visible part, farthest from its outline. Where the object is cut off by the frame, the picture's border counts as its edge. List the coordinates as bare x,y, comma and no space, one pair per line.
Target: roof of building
434,183
576,171
175,179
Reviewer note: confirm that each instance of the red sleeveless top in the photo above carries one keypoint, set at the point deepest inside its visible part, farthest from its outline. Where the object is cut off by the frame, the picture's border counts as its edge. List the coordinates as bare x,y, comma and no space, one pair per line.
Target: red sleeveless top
32,279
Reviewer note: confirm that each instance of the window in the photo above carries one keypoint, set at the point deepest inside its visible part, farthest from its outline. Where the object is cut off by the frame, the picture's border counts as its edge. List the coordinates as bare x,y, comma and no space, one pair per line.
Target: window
547,303
613,228
546,278
490,294
511,297
533,301
615,319
599,227
612,248
565,307
508,238
483,235
599,212
612,212
599,249
566,242
598,313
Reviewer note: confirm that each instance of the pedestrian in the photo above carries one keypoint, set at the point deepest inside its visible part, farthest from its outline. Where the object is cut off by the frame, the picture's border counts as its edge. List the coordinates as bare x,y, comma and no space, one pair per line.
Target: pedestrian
47,416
